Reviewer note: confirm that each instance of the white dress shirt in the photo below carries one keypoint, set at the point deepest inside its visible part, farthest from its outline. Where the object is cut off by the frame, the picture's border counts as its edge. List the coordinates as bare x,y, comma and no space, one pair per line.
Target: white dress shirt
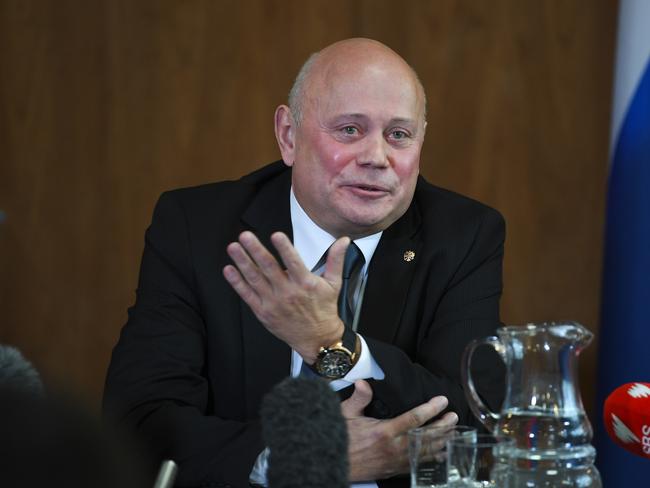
311,242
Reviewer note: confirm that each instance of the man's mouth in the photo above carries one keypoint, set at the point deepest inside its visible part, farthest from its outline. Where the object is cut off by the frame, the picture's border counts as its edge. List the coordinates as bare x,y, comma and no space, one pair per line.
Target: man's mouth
362,189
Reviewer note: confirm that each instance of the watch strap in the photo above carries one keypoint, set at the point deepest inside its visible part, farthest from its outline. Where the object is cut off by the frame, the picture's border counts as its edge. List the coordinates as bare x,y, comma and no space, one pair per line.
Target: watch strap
349,339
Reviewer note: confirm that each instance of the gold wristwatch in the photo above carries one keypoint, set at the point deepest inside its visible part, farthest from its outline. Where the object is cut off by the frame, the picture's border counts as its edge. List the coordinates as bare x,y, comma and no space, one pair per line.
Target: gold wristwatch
337,360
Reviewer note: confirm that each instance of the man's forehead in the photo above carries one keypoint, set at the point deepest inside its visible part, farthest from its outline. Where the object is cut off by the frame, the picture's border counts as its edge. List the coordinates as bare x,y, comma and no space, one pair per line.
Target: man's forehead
360,97
359,76
360,70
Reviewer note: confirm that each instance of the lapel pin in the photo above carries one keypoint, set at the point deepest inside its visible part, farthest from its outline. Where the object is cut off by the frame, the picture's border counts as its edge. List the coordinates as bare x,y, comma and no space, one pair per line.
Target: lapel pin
409,256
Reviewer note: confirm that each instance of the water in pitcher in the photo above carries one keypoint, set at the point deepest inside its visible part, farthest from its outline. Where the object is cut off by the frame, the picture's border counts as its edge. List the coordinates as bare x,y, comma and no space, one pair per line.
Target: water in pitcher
550,451
537,432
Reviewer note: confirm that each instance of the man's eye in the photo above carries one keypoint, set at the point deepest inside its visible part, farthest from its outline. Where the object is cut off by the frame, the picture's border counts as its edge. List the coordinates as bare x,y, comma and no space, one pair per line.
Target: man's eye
349,130
399,134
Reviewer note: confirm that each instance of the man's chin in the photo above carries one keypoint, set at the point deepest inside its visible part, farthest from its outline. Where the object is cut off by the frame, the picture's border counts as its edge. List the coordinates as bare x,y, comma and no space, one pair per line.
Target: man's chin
360,226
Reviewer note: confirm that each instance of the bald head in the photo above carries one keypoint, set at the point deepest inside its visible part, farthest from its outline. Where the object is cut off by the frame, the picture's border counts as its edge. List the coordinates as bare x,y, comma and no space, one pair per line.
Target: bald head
325,68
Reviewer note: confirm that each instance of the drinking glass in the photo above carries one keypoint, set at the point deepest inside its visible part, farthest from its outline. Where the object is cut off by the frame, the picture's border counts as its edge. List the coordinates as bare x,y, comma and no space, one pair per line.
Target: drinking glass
479,462
427,449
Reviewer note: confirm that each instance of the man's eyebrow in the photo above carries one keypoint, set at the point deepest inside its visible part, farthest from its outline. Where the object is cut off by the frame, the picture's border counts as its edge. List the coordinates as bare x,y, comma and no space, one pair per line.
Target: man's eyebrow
403,120
359,116
350,116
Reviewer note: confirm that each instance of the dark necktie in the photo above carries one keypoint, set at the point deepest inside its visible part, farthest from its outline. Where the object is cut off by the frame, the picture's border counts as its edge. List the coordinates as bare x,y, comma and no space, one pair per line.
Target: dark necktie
352,266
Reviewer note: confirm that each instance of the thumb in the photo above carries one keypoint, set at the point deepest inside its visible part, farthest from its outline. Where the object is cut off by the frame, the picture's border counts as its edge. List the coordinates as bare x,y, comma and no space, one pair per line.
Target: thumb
360,398
335,258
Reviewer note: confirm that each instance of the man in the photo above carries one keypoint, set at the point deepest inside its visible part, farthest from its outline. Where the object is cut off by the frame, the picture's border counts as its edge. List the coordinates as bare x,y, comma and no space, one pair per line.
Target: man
200,351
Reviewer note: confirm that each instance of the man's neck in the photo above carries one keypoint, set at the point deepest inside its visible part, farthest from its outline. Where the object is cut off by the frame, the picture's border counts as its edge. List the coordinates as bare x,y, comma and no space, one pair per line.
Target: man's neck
311,241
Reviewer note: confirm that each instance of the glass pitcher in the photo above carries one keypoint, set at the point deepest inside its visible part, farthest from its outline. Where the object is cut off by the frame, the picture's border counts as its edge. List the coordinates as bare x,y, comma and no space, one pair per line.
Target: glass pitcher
542,410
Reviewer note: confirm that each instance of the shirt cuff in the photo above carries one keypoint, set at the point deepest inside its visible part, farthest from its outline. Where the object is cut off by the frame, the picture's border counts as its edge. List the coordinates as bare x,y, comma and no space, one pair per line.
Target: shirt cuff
366,368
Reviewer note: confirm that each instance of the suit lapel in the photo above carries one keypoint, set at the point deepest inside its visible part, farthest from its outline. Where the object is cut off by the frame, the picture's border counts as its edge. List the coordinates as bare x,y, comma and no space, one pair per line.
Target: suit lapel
389,277
266,358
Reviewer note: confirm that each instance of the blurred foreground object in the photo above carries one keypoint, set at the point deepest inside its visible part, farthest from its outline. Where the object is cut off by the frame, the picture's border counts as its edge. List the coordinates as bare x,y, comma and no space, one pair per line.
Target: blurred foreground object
167,474
627,418
18,373
304,429
49,442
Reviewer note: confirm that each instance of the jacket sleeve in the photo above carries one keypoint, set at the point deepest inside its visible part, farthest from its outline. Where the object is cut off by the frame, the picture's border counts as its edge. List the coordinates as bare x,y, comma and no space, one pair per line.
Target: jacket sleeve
156,381
466,308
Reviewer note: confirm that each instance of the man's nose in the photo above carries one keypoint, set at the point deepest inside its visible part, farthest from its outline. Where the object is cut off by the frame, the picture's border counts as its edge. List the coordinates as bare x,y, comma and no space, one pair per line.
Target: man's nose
374,151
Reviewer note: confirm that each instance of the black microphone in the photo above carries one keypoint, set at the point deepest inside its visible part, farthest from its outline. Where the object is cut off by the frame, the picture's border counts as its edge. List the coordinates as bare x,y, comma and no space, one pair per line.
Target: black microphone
17,373
306,434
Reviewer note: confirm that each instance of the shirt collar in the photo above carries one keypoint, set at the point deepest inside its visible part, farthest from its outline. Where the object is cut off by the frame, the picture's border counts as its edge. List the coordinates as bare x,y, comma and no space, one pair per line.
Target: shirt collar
311,241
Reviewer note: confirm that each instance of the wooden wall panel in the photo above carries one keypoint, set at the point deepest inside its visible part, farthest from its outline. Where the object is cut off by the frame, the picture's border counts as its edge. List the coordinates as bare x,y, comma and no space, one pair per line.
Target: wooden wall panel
105,104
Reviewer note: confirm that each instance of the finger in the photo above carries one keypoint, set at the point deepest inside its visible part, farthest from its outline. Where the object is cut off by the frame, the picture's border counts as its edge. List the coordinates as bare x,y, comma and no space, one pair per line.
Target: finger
335,258
247,269
442,430
260,257
243,289
419,415
449,419
360,398
265,261
290,257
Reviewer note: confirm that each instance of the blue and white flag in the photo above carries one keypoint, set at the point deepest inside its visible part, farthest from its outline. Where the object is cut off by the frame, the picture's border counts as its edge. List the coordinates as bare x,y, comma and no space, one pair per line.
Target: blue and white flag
624,346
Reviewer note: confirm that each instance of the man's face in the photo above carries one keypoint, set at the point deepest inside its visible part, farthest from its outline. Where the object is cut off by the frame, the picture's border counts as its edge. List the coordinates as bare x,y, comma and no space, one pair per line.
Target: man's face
357,149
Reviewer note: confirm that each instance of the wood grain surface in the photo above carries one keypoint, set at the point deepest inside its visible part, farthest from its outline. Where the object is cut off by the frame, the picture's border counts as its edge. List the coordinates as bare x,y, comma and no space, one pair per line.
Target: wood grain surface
104,104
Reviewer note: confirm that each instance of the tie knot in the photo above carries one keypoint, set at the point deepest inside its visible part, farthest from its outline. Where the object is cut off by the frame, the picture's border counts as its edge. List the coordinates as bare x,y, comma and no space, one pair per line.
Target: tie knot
353,260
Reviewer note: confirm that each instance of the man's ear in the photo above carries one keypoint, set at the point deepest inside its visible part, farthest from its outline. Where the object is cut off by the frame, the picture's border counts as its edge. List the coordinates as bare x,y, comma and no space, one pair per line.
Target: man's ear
285,134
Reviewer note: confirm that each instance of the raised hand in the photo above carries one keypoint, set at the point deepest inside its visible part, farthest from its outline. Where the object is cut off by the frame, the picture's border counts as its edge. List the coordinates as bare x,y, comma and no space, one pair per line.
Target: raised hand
295,305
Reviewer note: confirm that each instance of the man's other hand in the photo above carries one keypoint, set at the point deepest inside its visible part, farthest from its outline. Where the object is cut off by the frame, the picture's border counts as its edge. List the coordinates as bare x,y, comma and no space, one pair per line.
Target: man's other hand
295,305
379,448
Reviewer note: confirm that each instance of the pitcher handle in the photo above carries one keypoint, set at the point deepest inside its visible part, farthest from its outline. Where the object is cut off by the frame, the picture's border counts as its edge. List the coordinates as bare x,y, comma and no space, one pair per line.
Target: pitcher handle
478,408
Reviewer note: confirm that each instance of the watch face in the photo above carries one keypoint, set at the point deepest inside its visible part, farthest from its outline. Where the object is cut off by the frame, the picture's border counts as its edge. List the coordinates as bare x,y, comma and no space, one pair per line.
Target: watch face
334,363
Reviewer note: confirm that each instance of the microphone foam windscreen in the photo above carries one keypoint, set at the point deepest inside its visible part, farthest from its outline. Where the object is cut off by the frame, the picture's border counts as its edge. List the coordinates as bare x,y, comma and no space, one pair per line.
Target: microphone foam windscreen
18,373
306,434
627,417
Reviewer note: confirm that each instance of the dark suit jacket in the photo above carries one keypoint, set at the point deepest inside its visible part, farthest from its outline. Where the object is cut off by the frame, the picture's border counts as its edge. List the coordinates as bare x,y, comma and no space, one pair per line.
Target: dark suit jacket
193,363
